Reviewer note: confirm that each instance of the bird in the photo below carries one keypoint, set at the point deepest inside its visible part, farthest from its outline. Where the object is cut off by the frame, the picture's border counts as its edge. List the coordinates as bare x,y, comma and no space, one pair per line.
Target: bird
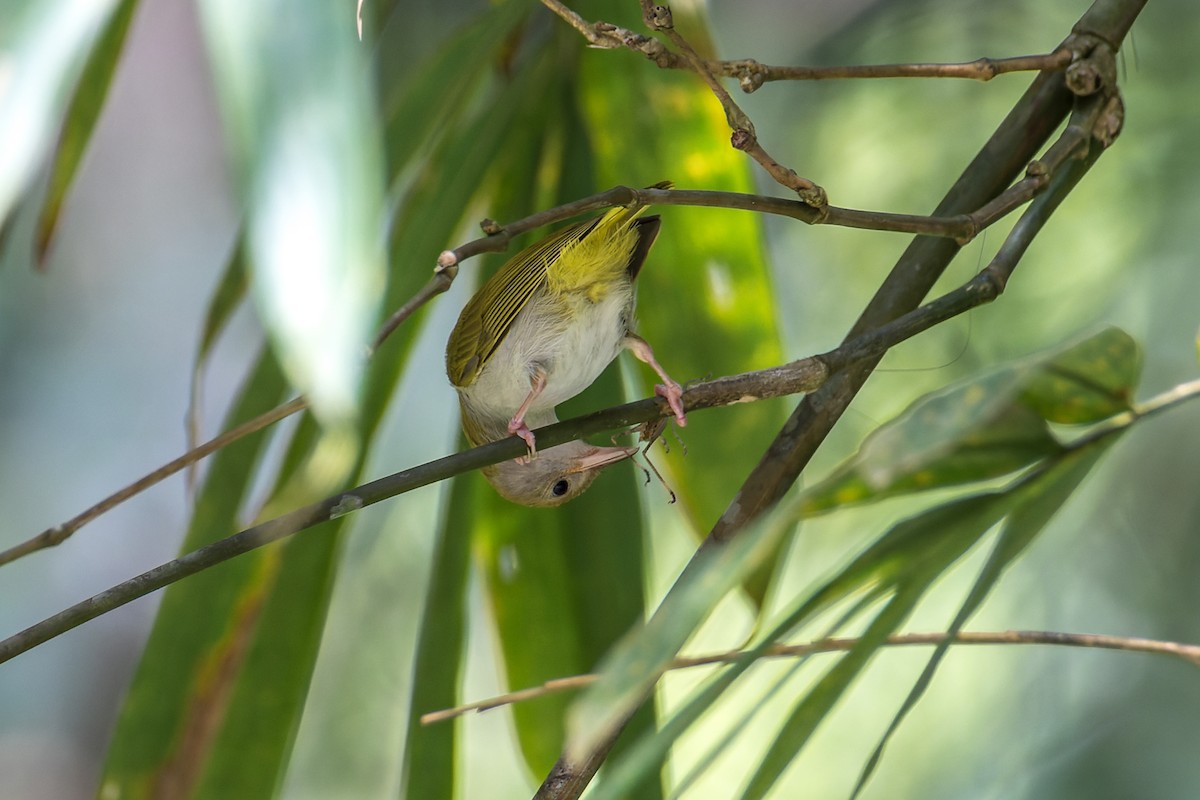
539,332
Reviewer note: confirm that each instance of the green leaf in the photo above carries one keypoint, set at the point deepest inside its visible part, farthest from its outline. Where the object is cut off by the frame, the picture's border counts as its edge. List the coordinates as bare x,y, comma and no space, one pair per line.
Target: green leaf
230,292
817,703
970,432
44,45
1087,382
201,627
632,668
903,562
419,105
283,635
308,161
81,115
989,426
429,751
1035,500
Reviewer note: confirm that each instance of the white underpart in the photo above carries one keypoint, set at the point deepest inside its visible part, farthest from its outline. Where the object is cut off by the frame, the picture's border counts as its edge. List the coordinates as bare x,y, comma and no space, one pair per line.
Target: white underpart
573,355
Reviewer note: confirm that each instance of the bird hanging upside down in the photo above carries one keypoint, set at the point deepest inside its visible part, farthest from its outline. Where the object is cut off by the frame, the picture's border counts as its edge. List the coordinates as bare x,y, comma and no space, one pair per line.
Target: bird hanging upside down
539,332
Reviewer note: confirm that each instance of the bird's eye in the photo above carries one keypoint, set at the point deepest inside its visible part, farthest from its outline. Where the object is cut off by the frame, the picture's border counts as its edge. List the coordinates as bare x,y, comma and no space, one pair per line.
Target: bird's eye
560,488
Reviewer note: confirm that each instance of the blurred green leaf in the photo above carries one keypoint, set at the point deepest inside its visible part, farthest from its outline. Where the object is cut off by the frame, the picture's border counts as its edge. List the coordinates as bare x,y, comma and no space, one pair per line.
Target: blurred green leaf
1087,382
428,216
226,298
270,684
421,106
429,750
43,47
308,161
1035,500
988,426
162,737
632,667
81,115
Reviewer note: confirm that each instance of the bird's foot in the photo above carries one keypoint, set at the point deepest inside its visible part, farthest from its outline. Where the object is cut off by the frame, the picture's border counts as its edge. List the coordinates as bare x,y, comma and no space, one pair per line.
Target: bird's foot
517,427
673,393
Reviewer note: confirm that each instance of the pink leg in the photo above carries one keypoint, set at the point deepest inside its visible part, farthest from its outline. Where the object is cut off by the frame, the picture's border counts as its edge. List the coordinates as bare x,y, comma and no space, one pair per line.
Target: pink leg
517,425
668,389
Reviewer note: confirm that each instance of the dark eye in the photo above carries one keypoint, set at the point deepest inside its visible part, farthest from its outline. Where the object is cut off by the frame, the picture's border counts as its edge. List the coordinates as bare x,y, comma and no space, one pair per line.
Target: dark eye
560,488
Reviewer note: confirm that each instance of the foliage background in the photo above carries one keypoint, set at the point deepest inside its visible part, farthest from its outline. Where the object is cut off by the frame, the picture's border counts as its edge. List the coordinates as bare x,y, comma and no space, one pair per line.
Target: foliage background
97,351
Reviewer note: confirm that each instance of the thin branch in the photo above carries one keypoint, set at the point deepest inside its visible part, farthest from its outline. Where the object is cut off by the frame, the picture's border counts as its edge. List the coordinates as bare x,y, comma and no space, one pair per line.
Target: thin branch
745,138
751,74
1093,119
1099,641
59,533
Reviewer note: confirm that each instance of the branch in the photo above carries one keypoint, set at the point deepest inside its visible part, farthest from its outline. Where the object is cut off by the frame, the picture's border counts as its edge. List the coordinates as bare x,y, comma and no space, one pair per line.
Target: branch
751,74
744,137
1132,644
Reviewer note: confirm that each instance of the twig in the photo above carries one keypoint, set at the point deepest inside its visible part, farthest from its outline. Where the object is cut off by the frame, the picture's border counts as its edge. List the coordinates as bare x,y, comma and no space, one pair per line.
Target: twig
1132,644
745,138
752,74
804,375
59,533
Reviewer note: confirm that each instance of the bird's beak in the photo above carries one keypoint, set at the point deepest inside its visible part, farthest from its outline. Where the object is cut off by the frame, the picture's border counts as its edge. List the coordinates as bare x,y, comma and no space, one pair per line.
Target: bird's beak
601,457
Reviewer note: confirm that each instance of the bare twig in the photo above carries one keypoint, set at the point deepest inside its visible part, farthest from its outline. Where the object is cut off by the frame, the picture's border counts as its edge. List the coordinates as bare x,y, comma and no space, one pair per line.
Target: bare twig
745,138
1132,644
53,536
751,74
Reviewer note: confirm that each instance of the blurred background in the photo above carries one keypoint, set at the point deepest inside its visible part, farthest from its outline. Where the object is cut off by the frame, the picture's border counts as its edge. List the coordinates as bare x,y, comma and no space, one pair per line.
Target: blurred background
96,356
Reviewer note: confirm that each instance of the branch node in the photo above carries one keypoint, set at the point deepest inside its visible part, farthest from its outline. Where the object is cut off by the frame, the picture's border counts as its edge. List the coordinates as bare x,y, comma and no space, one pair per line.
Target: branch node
490,227
1110,121
57,535
1093,73
742,139
659,18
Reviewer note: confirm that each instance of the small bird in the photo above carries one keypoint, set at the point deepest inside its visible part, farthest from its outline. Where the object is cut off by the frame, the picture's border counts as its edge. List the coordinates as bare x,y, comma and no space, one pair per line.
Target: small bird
539,332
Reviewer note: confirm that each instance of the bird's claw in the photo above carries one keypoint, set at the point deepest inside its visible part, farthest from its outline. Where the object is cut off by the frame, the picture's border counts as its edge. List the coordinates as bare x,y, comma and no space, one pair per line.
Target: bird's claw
519,428
672,392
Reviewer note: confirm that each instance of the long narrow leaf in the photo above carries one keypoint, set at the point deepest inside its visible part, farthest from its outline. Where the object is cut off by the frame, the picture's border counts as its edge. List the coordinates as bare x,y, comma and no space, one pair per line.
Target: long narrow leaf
307,155
429,751
80,119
